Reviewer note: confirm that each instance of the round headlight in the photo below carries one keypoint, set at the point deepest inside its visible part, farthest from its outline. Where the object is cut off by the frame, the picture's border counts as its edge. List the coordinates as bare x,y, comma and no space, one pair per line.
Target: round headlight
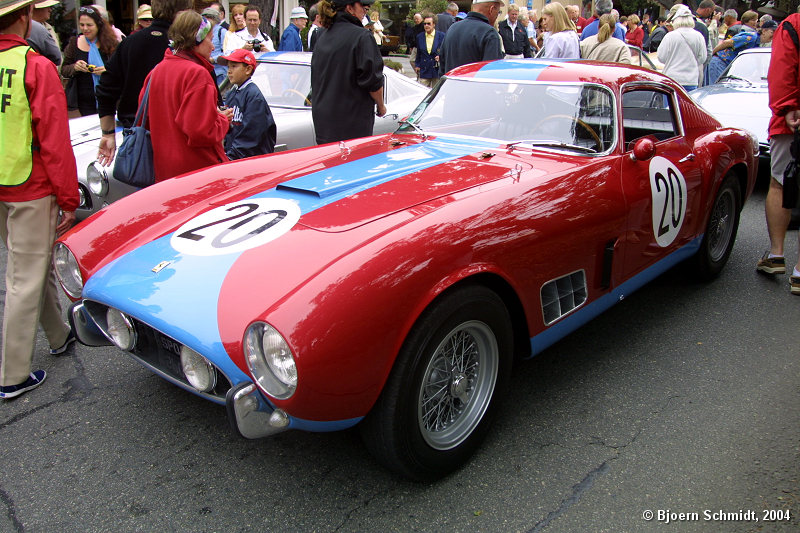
270,360
67,270
120,329
97,179
198,371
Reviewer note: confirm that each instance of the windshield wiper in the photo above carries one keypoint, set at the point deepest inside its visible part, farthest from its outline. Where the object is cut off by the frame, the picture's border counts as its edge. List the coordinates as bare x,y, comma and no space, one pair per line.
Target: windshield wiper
737,78
553,144
416,128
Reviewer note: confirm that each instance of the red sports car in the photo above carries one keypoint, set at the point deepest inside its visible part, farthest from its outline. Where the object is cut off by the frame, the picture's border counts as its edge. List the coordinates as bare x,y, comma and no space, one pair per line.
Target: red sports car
390,281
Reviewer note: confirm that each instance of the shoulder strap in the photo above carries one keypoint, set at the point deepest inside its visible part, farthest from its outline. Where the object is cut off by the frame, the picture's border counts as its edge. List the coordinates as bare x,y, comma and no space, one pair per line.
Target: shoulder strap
792,33
141,113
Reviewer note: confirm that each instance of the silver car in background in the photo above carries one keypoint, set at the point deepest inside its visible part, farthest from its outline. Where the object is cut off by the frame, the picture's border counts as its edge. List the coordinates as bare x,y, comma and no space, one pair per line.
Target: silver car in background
285,80
740,99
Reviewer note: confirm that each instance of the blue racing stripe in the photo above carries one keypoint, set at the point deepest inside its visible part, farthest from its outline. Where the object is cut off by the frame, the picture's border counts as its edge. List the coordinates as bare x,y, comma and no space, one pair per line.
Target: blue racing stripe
181,299
564,327
513,69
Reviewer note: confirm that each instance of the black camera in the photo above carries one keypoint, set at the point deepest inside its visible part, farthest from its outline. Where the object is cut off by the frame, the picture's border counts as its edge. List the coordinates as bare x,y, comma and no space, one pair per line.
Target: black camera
256,43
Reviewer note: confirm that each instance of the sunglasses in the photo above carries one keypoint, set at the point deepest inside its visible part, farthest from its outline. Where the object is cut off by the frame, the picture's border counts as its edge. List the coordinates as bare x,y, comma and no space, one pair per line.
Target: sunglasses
87,10
428,24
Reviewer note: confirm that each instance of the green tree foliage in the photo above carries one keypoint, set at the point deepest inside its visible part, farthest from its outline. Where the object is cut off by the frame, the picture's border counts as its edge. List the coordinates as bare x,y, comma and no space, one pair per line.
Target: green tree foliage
433,6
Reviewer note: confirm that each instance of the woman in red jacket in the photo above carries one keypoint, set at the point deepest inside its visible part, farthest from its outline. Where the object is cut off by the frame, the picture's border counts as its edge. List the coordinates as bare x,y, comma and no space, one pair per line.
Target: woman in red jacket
635,35
186,126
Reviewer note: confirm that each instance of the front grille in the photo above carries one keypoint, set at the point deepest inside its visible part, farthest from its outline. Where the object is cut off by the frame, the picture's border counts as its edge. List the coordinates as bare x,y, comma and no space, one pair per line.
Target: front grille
164,353
159,352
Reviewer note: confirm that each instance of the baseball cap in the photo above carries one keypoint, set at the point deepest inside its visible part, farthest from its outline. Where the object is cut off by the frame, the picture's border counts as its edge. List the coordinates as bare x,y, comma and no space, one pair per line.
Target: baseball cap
46,3
679,10
461,15
144,12
240,55
769,25
298,13
211,13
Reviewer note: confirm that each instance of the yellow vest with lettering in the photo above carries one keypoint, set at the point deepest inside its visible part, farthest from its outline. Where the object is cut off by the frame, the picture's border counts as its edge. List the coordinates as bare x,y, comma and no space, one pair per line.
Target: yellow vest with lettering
16,130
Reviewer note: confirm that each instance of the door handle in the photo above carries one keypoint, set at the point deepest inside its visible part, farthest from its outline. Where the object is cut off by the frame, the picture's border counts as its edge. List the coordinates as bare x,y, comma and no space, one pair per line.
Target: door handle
689,157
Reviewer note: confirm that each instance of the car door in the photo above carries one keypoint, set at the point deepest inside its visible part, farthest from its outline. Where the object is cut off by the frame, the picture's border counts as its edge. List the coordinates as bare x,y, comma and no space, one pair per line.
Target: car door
663,191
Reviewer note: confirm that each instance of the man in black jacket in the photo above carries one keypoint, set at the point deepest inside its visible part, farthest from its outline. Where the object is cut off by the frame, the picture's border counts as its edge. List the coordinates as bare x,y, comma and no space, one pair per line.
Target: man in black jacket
120,85
473,39
515,37
346,75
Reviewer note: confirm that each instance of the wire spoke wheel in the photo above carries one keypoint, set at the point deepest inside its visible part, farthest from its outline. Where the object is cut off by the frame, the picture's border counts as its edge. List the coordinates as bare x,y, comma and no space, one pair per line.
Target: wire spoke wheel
457,385
721,227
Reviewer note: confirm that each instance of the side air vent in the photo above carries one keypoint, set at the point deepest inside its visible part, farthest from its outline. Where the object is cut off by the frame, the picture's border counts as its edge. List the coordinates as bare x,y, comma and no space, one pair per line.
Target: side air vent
563,295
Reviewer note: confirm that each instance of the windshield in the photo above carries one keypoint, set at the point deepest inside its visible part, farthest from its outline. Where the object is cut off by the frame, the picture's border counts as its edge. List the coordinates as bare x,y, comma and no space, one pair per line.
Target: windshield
750,67
563,116
284,84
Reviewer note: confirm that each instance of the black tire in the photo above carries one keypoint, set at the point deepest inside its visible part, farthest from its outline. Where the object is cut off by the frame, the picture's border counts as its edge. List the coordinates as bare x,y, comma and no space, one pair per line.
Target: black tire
720,235
403,430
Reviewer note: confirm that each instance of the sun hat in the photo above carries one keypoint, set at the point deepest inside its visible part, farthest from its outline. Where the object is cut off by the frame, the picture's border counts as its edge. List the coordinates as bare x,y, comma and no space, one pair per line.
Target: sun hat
144,12
7,6
487,2
298,13
240,55
678,10
46,3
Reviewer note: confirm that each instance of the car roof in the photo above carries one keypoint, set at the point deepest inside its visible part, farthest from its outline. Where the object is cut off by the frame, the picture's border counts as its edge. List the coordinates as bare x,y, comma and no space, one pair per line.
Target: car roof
759,50
285,57
557,70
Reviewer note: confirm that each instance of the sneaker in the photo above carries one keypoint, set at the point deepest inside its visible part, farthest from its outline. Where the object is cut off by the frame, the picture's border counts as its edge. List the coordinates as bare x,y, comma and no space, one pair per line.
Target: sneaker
794,284
771,265
34,380
63,348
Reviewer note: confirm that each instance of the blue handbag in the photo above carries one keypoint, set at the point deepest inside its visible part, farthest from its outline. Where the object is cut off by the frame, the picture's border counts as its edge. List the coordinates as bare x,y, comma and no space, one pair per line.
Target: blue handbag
134,161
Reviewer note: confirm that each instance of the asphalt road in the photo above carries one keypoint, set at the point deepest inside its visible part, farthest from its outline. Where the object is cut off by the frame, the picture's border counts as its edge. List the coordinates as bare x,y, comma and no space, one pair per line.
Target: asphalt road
685,397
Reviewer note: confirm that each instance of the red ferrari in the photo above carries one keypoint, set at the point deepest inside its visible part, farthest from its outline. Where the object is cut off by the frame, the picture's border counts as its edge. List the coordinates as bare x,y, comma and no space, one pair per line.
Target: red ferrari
390,281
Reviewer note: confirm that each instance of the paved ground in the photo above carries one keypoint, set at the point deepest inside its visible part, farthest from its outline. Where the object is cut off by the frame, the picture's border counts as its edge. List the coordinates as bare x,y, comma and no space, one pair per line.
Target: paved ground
685,397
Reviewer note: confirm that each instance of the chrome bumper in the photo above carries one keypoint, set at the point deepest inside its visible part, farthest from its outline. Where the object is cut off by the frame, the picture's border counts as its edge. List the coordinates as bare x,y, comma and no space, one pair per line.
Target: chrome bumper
86,329
250,416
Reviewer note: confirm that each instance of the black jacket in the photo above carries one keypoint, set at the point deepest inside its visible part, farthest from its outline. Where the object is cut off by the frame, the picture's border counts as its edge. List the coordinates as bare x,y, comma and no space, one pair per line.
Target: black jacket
519,44
126,70
472,39
345,68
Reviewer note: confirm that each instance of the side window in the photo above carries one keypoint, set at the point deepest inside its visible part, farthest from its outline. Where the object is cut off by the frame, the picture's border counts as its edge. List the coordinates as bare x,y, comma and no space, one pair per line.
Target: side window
647,112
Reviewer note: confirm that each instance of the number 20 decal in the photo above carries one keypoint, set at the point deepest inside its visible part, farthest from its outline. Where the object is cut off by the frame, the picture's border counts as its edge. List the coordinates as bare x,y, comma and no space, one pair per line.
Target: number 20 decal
668,188
236,227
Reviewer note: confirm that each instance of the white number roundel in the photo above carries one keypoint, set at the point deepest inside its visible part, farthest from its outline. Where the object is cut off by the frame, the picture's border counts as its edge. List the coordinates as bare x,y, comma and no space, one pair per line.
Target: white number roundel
236,227
668,188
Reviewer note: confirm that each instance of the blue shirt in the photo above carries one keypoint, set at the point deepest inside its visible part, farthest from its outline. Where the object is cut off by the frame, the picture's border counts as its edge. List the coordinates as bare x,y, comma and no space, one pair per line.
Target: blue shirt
290,40
591,29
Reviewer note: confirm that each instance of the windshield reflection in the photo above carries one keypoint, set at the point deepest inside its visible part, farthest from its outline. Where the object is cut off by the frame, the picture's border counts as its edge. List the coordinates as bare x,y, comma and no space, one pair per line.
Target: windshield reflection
284,84
576,117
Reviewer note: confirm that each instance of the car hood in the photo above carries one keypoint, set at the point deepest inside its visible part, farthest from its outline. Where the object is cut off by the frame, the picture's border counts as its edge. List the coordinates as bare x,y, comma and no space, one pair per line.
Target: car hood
129,259
737,106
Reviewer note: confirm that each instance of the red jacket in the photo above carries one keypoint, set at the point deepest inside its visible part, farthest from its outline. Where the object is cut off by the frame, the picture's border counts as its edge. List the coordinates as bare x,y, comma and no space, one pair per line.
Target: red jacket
635,37
185,127
783,78
54,171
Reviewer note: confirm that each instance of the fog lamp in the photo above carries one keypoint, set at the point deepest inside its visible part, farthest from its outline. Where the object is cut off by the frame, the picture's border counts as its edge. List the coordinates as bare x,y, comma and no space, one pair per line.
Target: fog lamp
199,372
119,328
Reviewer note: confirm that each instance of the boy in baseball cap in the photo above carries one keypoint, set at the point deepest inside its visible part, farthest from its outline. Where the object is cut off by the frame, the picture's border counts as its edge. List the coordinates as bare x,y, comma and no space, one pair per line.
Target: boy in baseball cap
253,130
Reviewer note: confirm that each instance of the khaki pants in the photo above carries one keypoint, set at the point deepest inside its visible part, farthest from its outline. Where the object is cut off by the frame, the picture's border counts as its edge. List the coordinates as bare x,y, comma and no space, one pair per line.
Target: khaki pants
28,230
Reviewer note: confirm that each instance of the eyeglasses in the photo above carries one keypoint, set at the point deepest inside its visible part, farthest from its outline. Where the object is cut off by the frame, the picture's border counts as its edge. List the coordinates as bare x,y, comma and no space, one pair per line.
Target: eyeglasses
427,23
87,10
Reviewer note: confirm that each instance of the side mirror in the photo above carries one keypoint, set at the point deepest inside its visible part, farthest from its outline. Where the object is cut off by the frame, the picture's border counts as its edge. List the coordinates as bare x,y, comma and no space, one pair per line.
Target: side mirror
643,150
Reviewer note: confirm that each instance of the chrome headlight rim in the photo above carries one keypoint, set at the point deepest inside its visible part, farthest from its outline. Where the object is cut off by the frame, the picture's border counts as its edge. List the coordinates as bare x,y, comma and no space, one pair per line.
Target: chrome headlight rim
67,270
97,179
201,374
120,329
270,360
